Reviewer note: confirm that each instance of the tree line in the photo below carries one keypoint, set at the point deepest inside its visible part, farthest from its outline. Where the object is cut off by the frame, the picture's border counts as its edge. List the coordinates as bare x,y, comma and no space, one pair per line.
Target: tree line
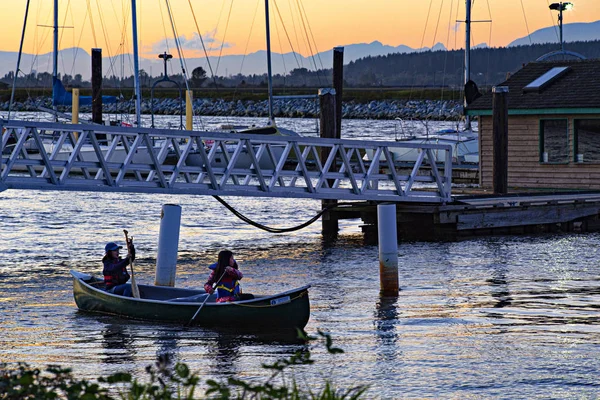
443,68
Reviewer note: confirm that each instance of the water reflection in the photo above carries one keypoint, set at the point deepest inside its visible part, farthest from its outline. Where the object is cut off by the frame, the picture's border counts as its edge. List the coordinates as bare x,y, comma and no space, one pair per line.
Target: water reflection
386,319
224,354
500,290
167,344
119,345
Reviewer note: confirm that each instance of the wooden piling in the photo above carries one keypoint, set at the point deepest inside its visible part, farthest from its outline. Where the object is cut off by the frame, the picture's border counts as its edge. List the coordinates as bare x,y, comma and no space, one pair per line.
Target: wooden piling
189,110
328,130
500,139
97,86
75,107
75,111
338,85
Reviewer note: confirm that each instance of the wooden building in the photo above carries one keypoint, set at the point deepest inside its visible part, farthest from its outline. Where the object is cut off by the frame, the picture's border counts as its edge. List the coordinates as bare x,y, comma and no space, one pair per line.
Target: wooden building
553,127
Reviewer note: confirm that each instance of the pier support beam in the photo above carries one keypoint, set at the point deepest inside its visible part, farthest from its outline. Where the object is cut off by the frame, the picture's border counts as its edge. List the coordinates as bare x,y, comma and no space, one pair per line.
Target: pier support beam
500,139
327,121
338,85
388,249
97,86
168,244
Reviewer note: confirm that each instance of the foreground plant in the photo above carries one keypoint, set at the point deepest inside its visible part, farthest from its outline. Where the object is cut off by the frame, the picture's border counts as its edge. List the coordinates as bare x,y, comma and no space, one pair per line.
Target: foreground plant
166,382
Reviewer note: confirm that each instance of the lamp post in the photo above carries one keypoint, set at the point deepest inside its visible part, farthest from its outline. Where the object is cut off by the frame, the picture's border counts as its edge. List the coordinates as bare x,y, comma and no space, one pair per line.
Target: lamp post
560,7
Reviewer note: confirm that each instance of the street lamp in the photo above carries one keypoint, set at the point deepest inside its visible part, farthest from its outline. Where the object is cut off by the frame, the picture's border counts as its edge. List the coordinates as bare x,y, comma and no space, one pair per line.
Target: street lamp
560,7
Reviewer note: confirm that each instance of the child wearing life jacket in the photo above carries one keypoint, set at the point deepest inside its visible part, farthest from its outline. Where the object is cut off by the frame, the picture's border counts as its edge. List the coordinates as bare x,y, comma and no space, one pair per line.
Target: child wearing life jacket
115,269
224,277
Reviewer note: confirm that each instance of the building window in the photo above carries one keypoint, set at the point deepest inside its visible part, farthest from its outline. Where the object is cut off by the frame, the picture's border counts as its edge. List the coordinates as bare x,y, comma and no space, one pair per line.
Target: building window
554,141
587,140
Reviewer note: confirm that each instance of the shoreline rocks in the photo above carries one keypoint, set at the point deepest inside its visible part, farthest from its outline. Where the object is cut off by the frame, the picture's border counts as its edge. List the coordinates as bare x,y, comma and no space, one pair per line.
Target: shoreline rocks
293,108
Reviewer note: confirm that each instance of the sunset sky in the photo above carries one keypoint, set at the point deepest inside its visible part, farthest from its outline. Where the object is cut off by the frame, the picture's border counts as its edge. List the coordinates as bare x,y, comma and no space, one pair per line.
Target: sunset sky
328,22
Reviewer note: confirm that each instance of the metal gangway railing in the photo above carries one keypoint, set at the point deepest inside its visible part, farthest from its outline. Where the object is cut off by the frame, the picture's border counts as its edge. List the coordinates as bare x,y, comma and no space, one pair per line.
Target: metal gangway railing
52,156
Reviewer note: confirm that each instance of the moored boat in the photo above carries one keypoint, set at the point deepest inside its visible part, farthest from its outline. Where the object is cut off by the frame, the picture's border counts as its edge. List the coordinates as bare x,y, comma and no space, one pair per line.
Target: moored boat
286,310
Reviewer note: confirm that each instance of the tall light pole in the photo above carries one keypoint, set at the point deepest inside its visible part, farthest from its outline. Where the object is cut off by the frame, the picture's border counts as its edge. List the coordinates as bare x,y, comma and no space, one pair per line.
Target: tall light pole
560,7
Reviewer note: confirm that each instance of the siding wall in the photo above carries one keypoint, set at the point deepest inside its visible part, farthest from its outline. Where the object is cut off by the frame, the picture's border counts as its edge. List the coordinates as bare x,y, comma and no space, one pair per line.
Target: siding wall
524,167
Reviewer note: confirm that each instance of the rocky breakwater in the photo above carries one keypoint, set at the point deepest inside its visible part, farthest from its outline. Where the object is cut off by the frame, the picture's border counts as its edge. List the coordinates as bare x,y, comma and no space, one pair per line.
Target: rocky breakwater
293,108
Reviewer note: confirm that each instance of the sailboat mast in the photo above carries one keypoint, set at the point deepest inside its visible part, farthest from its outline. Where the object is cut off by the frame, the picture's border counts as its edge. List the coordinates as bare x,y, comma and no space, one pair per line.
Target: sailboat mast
55,57
136,66
269,72
467,55
55,40
12,92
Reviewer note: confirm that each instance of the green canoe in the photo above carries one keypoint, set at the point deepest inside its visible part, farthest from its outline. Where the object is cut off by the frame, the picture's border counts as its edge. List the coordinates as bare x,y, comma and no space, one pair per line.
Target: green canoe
285,310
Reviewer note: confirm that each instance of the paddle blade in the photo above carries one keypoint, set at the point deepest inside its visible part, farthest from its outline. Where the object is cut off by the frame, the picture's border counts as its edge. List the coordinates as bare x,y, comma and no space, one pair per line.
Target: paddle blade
134,287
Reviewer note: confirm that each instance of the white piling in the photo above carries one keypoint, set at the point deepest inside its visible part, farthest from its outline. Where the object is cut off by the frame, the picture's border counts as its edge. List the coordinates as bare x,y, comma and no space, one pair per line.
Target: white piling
168,243
388,249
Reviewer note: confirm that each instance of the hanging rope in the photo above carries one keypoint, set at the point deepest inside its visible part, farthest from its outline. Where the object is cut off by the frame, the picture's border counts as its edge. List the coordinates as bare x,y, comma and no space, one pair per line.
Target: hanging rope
313,37
212,74
78,46
162,18
526,25
277,230
295,30
437,25
89,12
306,31
177,44
248,40
285,70
224,36
287,36
447,52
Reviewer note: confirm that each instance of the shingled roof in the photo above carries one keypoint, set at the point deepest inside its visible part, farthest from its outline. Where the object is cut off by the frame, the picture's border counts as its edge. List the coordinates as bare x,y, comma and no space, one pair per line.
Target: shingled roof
578,88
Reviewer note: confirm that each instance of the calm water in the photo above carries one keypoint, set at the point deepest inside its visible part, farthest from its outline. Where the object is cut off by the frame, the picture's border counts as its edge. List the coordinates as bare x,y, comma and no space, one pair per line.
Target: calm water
501,317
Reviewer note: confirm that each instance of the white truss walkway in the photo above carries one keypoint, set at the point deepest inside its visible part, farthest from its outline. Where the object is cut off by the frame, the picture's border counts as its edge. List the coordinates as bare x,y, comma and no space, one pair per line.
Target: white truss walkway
115,159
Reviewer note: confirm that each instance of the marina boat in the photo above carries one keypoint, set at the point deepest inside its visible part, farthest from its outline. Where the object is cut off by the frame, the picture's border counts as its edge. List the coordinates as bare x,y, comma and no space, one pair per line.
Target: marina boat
465,143
286,310
465,146
244,159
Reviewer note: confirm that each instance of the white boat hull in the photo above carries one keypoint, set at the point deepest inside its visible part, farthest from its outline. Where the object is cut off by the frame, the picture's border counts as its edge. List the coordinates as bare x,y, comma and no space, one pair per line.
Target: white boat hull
244,161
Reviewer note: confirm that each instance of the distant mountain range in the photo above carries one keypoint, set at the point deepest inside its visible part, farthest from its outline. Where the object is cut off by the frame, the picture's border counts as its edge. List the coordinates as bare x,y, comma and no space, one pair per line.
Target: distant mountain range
77,61
575,32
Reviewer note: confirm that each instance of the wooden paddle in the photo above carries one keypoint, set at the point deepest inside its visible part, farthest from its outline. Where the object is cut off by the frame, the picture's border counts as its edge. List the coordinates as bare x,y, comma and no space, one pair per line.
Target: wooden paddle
134,287
214,285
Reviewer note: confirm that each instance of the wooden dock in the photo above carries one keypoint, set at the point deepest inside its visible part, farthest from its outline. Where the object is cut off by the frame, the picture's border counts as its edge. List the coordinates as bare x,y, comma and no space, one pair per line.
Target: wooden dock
475,213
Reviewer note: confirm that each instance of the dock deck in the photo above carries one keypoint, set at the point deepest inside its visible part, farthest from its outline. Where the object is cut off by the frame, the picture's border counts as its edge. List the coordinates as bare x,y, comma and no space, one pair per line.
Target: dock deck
476,213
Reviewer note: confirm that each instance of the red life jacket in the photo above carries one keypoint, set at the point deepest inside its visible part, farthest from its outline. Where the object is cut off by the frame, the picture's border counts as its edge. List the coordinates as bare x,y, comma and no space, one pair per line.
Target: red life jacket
115,272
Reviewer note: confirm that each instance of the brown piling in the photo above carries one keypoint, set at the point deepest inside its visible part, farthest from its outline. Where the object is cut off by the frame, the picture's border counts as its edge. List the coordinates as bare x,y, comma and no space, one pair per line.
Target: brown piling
97,86
328,130
338,85
500,139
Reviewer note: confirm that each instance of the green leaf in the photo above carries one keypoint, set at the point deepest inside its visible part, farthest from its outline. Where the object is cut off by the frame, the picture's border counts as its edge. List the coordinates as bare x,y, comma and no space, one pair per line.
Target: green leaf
182,370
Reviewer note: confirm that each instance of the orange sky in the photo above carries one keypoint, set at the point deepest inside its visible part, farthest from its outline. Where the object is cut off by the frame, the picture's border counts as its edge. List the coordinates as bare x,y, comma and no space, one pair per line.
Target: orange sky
329,22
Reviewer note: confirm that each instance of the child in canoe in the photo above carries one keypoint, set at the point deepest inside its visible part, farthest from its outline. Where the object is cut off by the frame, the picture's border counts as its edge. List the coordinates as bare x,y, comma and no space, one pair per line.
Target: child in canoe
224,277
